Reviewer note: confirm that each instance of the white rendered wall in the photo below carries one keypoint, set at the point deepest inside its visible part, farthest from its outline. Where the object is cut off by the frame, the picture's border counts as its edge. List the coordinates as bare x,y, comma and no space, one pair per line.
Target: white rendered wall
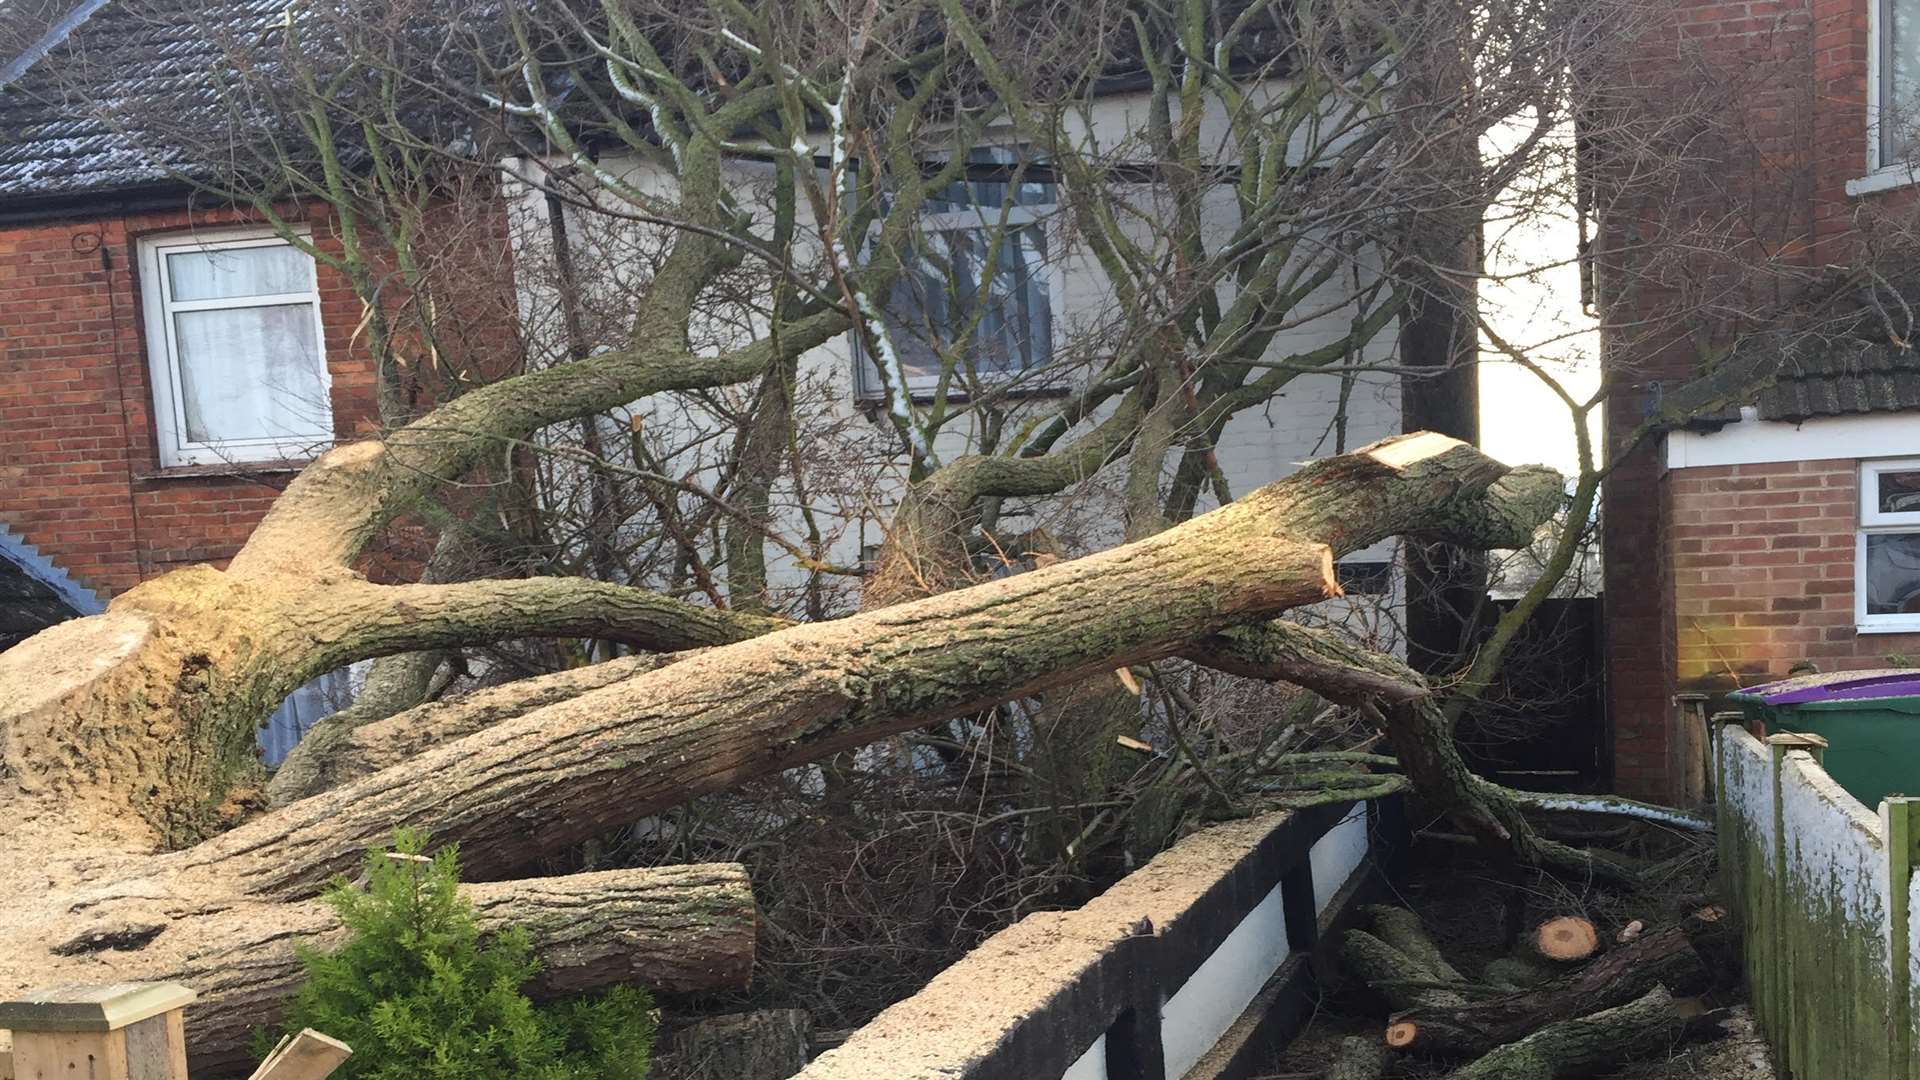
1336,855
1258,446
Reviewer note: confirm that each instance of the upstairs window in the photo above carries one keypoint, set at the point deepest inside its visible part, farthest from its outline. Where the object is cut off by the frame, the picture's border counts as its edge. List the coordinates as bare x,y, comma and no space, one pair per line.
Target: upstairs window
975,290
1895,79
1887,558
234,348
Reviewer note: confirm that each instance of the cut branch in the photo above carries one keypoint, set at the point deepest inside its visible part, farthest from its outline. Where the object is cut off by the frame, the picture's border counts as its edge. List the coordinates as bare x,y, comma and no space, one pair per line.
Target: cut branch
1626,973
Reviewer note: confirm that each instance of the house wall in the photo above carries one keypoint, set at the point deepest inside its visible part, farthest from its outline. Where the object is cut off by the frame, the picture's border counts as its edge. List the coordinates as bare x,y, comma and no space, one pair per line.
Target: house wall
1258,446
80,477
1763,572
1794,160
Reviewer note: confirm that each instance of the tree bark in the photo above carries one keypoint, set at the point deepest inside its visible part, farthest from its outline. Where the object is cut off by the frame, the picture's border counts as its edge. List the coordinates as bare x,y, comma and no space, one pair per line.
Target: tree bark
202,650
1401,929
678,928
1662,959
1402,981
1358,1059
1586,1046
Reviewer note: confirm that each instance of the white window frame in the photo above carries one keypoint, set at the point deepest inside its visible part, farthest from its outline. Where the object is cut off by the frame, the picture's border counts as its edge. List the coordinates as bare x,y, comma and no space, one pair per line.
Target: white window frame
1881,175
871,386
1872,521
163,366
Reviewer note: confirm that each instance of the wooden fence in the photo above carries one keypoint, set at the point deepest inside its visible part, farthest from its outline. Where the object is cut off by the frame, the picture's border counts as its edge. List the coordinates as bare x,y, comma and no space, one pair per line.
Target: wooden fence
1825,890
1196,966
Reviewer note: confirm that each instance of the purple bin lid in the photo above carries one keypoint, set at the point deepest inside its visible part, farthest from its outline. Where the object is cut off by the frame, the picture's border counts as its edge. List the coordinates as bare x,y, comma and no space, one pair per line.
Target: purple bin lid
1835,686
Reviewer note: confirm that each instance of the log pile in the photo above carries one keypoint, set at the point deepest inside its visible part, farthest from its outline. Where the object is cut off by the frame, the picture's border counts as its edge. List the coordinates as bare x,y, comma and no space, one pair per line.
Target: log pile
1572,1002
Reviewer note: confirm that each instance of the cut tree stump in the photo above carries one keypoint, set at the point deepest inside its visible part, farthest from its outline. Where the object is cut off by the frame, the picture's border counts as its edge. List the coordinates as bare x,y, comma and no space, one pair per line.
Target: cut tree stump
1566,939
1666,958
1585,1046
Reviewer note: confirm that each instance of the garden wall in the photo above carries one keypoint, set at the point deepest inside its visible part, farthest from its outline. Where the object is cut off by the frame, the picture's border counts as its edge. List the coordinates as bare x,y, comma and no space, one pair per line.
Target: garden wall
1194,966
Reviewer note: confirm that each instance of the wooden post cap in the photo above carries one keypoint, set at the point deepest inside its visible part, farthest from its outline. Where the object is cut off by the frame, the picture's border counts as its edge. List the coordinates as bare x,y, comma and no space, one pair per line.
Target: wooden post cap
92,1008
1797,740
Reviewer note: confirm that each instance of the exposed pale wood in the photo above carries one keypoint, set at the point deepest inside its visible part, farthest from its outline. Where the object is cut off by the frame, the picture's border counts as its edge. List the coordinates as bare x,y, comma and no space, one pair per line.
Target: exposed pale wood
306,1056
107,1007
66,1055
157,1047
1566,938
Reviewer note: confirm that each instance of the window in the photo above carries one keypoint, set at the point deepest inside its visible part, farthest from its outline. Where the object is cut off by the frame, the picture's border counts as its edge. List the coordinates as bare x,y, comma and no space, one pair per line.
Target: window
233,344
987,306
1887,559
1894,79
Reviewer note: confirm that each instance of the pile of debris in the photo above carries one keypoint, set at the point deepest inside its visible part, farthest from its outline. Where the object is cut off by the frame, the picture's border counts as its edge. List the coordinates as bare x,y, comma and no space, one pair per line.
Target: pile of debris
1572,998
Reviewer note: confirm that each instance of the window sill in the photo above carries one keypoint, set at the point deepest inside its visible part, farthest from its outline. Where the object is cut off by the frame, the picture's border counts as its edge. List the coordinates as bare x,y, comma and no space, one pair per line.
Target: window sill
1888,628
1885,178
961,397
241,469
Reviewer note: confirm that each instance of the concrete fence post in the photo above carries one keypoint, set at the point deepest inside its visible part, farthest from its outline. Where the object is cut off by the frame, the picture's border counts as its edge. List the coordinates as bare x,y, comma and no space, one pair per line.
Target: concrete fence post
125,1031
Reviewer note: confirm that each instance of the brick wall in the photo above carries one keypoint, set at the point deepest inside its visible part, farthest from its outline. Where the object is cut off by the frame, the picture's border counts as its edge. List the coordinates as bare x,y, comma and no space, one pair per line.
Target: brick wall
79,470
1792,135
1763,573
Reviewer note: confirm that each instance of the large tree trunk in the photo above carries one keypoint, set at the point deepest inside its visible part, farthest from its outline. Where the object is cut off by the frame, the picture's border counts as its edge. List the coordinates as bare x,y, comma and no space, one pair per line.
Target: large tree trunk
677,928
114,726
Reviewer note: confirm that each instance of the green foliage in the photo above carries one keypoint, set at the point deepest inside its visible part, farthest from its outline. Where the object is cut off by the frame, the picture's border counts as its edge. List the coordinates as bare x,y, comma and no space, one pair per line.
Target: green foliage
418,993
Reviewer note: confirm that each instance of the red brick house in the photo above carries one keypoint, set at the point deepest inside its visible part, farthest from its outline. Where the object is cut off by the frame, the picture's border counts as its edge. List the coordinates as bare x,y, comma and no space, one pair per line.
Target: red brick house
164,366
166,363
1785,530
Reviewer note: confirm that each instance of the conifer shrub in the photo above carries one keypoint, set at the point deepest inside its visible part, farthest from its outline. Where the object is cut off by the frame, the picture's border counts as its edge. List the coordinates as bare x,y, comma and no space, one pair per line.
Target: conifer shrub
418,993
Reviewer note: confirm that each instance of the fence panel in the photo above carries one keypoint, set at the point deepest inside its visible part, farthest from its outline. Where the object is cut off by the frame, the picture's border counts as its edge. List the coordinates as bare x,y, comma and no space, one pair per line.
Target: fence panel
1747,851
1833,928
1824,890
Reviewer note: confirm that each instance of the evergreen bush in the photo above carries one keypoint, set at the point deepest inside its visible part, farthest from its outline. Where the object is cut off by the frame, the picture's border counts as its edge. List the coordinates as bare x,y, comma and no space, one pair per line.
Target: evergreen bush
418,993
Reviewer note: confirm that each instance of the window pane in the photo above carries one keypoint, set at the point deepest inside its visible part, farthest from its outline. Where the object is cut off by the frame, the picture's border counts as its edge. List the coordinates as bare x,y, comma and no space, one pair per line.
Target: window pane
1900,78
1007,324
1893,573
247,271
251,373
1897,492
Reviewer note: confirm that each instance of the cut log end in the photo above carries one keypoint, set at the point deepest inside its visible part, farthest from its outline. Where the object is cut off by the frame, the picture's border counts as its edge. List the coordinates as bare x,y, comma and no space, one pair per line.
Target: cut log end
1566,939
1419,446
1402,1035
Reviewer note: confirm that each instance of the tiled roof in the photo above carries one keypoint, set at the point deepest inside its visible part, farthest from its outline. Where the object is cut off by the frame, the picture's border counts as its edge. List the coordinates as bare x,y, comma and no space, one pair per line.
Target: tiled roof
1840,378
98,100
77,120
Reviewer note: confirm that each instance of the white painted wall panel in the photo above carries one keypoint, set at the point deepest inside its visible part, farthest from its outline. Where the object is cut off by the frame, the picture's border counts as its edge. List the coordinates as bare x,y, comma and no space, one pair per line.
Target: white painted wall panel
1207,1004
1337,855
1092,1064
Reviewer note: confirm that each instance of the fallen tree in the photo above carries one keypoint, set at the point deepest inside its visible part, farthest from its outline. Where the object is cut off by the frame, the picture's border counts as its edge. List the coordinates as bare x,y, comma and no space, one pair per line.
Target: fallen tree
112,719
